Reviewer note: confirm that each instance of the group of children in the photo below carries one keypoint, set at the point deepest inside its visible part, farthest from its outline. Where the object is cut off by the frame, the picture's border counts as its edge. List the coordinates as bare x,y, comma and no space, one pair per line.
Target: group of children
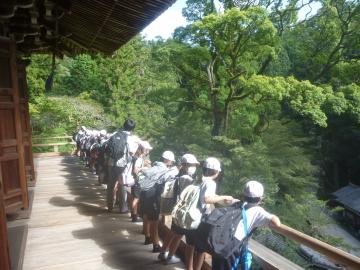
141,185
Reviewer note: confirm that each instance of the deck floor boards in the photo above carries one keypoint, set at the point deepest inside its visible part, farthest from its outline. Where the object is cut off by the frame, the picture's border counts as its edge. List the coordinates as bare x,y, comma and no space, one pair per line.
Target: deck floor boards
70,228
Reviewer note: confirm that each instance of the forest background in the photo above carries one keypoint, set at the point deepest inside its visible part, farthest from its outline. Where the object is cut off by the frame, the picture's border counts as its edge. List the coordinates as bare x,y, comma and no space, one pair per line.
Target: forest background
272,96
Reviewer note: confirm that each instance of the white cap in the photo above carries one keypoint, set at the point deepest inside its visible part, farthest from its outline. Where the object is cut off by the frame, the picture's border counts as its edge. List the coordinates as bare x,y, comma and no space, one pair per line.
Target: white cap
168,155
212,163
189,159
103,132
133,146
146,145
253,189
135,138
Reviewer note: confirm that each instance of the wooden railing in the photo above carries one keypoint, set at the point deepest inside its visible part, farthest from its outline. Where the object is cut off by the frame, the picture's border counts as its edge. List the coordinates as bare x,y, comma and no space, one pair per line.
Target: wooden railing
333,254
53,142
270,260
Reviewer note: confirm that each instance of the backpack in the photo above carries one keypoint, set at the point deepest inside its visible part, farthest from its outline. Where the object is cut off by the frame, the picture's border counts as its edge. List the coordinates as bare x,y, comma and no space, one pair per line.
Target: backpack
148,178
75,137
186,213
216,233
169,188
117,145
169,196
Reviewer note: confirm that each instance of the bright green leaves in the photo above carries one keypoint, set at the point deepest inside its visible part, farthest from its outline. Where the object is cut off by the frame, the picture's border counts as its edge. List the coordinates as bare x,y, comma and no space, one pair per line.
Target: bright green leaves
352,94
245,37
302,97
306,100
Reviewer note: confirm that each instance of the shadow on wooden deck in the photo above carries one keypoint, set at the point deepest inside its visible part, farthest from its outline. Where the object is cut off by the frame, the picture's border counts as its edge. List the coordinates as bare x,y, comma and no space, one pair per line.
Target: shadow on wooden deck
70,209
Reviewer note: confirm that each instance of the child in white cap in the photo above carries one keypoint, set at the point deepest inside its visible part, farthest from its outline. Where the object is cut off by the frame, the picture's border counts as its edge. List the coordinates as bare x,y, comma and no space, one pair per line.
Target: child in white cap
187,170
256,217
150,202
207,199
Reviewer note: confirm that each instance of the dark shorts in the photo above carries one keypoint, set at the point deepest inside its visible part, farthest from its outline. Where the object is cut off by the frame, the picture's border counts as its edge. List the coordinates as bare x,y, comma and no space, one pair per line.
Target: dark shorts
150,205
116,171
181,231
135,191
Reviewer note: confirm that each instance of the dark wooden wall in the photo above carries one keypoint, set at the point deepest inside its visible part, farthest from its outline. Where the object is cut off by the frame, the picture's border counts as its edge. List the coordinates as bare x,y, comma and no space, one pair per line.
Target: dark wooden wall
12,160
16,160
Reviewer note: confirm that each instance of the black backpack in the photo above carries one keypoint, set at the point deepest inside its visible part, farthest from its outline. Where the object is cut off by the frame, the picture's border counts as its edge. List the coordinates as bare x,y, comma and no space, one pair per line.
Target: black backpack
74,136
216,232
116,145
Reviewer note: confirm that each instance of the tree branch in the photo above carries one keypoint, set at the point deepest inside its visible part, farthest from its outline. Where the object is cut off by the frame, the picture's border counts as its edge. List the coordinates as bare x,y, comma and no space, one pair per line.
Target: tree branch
240,97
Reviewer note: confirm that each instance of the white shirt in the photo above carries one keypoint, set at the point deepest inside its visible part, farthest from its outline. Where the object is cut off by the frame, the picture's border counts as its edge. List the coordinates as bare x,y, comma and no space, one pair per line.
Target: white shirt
207,188
256,217
127,176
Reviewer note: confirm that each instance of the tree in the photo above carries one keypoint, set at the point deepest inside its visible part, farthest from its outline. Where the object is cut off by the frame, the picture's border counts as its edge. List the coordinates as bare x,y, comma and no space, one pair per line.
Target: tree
318,45
220,64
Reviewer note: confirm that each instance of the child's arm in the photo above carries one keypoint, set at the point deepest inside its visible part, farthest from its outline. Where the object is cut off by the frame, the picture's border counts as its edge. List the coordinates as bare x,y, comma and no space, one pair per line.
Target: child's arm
275,221
218,199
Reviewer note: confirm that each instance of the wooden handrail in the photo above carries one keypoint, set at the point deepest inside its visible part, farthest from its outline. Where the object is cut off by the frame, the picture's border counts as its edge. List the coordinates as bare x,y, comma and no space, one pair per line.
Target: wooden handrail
52,144
55,145
49,138
334,254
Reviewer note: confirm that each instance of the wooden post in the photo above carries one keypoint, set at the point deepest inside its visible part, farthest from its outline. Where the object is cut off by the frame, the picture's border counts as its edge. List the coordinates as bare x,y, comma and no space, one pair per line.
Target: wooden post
334,254
56,148
4,246
25,122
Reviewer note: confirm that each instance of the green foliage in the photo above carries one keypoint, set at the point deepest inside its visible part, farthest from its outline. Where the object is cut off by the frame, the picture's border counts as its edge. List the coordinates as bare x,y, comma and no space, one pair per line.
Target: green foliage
37,74
51,116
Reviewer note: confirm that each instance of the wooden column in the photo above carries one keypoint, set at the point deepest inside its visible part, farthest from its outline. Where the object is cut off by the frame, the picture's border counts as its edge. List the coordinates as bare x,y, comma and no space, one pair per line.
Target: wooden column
4,246
13,178
25,123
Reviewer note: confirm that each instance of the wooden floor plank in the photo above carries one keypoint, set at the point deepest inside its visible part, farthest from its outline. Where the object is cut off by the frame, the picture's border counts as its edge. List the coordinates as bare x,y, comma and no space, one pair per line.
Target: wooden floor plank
70,228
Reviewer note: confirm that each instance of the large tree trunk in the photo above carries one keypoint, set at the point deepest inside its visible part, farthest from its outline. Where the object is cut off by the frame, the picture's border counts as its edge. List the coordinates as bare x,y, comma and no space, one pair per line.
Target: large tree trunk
220,118
218,124
217,116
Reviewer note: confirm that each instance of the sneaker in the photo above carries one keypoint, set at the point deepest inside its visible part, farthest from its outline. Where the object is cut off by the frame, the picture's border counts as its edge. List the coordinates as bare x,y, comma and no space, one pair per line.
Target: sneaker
156,248
134,219
147,241
163,255
172,260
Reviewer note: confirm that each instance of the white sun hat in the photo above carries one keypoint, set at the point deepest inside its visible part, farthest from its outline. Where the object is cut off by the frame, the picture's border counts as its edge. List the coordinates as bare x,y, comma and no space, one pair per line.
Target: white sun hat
189,159
253,189
212,163
168,155
146,145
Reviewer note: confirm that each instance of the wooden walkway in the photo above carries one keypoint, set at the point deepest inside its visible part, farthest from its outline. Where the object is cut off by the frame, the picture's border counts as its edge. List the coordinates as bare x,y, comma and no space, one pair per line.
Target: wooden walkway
71,229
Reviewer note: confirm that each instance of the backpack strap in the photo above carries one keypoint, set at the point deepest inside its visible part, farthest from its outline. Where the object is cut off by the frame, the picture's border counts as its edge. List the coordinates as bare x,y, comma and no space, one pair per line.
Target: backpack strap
247,258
